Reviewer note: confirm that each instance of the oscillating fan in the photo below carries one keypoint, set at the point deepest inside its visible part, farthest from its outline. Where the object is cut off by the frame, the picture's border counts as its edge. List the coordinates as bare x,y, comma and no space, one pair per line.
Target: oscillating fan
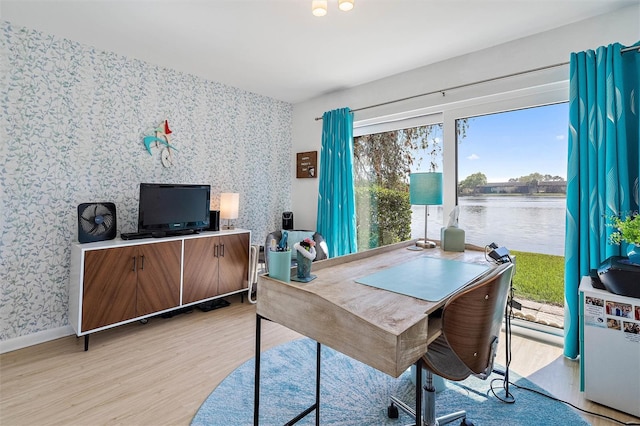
96,222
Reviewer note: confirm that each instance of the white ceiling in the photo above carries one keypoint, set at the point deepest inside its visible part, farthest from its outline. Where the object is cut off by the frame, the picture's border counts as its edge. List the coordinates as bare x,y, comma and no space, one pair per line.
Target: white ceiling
277,48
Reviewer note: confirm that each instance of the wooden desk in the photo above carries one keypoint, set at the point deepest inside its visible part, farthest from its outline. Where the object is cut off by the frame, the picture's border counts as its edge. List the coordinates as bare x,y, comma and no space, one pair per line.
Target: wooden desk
385,330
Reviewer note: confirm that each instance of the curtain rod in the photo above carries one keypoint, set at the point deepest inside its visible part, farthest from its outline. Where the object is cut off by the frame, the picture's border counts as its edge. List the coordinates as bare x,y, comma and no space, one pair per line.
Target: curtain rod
627,49
457,87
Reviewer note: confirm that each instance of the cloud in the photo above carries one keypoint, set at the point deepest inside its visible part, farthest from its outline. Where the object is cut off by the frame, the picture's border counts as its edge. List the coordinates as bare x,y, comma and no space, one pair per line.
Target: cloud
473,157
560,137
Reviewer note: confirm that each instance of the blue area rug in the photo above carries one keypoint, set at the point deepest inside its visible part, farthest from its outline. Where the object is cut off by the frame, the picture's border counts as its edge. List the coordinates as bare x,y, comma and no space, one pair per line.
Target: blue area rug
355,394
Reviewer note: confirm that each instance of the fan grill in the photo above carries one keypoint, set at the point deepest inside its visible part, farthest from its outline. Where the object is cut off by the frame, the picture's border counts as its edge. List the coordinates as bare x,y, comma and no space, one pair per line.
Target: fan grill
96,222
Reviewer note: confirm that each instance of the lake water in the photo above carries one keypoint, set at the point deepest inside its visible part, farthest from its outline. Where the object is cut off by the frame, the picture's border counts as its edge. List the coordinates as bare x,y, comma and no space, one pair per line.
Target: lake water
523,223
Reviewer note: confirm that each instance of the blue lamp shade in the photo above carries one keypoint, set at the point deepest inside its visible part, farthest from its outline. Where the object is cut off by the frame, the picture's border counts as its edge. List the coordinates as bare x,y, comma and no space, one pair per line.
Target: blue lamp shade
425,189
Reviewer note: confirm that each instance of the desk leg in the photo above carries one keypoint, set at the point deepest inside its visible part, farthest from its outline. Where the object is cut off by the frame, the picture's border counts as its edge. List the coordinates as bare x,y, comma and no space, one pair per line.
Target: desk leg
256,386
256,389
318,349
315,406
419,391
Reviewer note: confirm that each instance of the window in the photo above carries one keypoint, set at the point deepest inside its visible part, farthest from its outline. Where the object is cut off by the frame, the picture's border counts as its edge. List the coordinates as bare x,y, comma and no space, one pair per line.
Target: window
382,163
479,136
512,179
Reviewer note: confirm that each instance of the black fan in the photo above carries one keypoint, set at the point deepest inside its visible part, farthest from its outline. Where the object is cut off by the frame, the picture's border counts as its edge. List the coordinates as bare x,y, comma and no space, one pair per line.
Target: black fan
96,222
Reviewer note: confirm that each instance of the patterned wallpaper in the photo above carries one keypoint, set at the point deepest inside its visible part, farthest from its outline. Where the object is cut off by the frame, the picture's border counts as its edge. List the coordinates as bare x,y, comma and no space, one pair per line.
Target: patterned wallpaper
73,119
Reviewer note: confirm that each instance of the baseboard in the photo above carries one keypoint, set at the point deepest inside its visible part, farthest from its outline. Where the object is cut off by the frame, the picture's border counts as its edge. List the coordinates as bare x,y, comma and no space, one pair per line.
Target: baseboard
34,339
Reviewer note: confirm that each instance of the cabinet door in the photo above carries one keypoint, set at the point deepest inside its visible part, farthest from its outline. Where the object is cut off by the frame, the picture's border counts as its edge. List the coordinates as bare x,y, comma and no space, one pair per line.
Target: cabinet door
234,263
158,277
200,279
109,287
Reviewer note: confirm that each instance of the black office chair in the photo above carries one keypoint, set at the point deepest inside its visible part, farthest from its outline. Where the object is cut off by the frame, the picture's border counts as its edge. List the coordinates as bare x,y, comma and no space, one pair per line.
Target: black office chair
322,251
471,322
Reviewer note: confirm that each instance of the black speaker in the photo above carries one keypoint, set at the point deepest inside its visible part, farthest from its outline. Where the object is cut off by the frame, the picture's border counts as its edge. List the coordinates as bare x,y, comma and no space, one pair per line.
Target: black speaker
214,220
96,222
287,220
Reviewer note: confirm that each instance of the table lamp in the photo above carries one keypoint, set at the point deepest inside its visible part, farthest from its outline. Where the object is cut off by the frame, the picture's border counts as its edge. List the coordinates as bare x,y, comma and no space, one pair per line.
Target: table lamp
425,189
229,206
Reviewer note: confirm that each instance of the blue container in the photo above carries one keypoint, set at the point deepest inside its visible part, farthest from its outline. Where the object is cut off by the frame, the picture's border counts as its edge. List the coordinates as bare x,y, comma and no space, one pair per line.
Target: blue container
280,265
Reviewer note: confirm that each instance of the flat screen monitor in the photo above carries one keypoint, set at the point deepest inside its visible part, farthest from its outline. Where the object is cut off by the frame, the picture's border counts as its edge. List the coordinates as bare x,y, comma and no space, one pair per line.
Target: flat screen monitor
173,208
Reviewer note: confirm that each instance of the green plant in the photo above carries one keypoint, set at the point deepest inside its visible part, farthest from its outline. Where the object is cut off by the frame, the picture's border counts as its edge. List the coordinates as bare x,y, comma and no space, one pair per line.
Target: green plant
626,230
383,216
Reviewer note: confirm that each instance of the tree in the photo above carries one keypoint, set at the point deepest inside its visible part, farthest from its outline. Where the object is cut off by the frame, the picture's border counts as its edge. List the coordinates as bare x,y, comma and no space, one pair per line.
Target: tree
386,158
382,163
470,183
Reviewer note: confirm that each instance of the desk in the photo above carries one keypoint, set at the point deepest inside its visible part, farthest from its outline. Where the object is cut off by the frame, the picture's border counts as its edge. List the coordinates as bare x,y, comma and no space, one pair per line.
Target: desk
385,330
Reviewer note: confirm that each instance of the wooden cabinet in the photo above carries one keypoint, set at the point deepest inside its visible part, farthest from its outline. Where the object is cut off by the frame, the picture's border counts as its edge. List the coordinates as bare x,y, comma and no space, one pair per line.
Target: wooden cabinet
127,282
115,282
215,266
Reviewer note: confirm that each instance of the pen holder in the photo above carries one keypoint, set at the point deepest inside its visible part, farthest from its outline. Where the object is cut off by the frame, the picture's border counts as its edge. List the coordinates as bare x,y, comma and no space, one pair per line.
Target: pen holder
280,265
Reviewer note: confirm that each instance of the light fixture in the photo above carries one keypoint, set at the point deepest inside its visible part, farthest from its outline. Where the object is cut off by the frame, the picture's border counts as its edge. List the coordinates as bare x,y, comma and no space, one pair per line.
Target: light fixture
319,7
425,189
229,206
345,5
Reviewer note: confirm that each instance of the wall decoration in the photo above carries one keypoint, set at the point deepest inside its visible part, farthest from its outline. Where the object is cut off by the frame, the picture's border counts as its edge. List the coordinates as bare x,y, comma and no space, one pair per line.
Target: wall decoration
306,164
161,136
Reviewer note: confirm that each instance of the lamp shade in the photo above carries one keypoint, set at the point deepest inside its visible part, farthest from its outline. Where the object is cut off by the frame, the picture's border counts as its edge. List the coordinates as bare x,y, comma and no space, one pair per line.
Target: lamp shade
425,188
229,205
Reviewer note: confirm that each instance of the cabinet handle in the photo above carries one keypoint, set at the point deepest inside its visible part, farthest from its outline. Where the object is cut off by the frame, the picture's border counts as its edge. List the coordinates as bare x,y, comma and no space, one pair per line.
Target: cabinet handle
215,250
142,262
221,250
134,264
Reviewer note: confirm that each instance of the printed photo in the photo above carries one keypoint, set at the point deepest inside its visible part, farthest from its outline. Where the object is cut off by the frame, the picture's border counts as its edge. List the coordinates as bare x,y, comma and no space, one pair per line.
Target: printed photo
613,324
619,309
631,327
594,301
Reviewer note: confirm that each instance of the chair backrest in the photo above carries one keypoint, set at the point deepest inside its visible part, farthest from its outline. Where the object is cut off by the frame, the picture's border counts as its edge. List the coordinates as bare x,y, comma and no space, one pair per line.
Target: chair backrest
472,319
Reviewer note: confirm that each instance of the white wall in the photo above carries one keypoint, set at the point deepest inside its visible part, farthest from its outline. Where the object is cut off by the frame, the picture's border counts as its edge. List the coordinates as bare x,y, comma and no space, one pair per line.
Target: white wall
544,49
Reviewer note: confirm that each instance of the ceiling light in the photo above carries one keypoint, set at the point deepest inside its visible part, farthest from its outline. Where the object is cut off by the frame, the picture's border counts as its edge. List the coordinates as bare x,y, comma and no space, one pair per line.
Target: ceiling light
345,5
319,7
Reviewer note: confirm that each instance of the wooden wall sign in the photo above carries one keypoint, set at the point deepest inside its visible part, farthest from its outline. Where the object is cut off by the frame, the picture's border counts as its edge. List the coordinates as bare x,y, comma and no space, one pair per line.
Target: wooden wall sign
307,164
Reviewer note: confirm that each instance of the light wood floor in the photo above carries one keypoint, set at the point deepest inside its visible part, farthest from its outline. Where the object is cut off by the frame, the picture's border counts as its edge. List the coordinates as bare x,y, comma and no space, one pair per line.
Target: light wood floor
159,373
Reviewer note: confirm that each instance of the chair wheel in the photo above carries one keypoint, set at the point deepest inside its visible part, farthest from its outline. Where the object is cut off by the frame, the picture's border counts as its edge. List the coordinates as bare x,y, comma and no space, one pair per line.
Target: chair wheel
392,411
466,422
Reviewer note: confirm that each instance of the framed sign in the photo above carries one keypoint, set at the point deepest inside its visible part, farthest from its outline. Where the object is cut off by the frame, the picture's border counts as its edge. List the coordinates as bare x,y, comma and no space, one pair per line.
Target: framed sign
306,164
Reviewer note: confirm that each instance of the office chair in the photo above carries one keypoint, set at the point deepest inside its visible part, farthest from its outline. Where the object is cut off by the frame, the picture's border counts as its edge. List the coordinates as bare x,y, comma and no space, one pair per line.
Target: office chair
471,322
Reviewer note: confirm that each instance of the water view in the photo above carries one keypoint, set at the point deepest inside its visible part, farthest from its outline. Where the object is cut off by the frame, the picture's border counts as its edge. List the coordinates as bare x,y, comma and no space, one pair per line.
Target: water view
519,222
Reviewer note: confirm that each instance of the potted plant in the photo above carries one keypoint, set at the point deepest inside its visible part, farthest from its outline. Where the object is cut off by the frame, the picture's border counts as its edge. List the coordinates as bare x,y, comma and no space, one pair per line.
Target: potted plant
627,230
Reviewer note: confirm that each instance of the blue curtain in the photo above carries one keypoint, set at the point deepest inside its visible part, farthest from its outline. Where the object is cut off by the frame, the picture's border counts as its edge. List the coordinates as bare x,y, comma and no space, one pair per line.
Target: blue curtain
336,198
603,163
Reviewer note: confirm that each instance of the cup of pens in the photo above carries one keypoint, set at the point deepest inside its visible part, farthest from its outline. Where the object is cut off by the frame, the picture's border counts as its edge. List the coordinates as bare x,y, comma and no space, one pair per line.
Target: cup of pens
279,260
280,265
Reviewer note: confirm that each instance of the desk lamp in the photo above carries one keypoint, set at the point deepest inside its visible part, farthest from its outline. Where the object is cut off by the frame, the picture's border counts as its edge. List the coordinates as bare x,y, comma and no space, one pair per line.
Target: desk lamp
229,206
425,189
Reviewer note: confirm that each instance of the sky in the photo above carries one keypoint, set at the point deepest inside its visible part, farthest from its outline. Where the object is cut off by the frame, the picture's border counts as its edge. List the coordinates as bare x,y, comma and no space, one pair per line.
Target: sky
516,143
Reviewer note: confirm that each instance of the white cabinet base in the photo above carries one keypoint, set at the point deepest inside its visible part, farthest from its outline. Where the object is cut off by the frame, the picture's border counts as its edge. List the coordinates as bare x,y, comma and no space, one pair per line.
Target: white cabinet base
610,348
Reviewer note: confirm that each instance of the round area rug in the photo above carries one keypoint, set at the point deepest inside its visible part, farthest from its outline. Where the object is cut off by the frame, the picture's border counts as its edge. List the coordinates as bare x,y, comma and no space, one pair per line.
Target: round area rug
353,393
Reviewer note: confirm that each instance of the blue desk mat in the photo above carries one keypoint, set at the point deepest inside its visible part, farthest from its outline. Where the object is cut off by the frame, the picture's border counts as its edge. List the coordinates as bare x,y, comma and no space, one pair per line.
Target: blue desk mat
425,278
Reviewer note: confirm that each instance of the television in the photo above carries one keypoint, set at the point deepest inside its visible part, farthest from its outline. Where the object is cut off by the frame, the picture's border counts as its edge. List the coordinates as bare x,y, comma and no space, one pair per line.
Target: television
173,209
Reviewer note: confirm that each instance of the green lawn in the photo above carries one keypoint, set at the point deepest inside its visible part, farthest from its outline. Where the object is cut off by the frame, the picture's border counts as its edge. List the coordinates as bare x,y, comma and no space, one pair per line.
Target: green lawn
539,277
